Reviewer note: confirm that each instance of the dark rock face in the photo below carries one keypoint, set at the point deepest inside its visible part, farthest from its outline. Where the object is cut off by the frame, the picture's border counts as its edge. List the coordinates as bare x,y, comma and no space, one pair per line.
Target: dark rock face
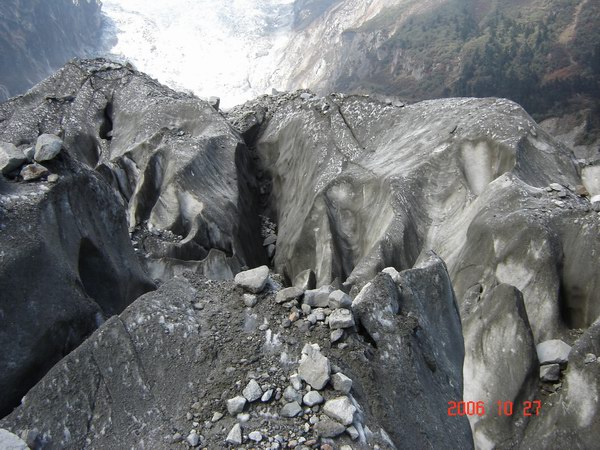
184,175
37,37
406,328
134,381
66,265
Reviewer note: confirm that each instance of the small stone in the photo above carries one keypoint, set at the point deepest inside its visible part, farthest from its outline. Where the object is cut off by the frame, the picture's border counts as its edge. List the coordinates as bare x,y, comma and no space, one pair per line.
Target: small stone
314,367
346,447
296,381
340,409
52,178
47,147
339,299
216,416
306,309
590,358
312,318
33,172
556,187
328,428
253,280
256,436
306,280
291,410
312,398
243,417
352,432
581,191
288,295
177,437
266,397
336,335
236,405
553,351
550,372
11,158
286,323
341,318
250,300
562,194
341,382
252,392
235,435
193,439
318,297
319,314
294,316
291,395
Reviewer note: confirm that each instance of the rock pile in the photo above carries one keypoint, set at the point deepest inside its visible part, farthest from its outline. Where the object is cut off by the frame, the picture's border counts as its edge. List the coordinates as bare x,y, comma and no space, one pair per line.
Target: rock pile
25,164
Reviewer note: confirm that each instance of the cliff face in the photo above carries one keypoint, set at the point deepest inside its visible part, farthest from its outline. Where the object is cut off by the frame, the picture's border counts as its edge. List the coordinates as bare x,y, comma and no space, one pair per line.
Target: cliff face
544,55
37,37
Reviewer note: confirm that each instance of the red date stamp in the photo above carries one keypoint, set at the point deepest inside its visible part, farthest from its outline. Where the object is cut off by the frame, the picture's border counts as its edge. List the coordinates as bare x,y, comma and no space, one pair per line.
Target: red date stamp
471,408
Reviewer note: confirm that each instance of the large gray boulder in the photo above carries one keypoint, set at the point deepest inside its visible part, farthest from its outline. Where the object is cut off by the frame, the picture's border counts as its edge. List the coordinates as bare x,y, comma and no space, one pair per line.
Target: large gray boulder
66,265
11,158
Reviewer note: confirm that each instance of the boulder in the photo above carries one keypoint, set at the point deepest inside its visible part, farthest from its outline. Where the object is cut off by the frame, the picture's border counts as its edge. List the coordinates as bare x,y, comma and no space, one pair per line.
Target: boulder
341,318
312,398
314,368
318,298
291,409
550,372
553,351
32,172
341,382
339,299
10,441
253,280
289,294
340,409
252,391
328,428
47,147
11,158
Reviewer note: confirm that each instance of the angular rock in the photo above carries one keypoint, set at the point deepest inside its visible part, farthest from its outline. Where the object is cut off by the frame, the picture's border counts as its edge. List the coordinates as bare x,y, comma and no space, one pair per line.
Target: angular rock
236,405
314,368
255,436
253,391
318,298
266,397
328,428
353,433
291,410
216,416
11,158
553,351
270,240
250,300
550,372
296,381
340,409
341,318
393,273
235,435
253,280
289,294
193,439
341,382
590,358
336,335
291,394
32,172
305,280
312,398
47,147
339,299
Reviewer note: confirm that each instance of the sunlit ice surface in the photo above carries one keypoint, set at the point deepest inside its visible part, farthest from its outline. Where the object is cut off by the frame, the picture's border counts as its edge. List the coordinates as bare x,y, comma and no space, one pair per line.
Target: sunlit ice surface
224,48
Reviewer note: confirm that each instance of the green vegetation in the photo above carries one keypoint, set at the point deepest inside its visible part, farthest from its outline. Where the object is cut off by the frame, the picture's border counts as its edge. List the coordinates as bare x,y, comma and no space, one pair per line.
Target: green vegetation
544,55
